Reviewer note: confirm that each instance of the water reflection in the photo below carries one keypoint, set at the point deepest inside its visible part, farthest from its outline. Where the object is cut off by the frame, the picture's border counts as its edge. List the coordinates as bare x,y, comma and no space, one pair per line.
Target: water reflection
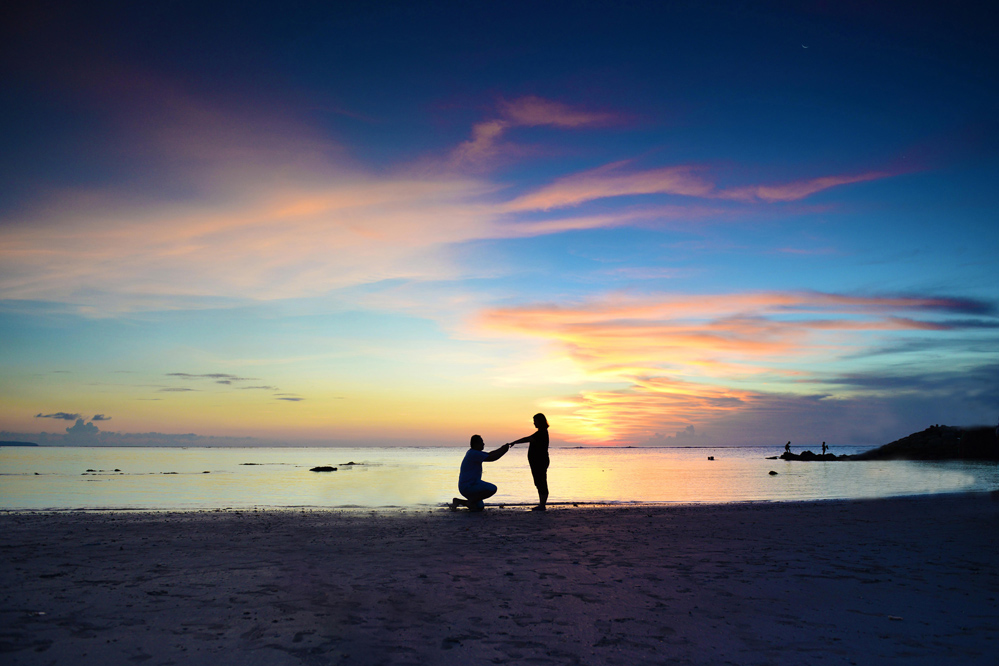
159,478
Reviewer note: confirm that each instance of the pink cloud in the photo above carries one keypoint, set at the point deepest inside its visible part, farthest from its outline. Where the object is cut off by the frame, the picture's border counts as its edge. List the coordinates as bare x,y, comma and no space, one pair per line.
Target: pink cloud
534,111
612,180
262,240
528,111
799,189
482,145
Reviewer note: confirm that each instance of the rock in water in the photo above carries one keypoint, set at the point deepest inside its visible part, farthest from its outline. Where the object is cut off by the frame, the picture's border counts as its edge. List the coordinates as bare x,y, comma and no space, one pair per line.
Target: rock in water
325,468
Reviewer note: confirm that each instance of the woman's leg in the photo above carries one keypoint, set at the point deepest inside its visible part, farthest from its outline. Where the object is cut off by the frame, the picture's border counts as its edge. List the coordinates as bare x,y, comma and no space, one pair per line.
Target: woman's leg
539,470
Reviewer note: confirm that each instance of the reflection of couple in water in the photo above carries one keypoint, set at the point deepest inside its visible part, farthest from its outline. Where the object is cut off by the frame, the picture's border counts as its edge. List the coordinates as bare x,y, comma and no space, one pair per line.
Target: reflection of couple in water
474,489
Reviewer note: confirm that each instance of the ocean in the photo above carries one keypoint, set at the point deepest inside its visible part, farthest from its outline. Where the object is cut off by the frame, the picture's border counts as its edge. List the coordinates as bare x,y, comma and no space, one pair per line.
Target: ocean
68,478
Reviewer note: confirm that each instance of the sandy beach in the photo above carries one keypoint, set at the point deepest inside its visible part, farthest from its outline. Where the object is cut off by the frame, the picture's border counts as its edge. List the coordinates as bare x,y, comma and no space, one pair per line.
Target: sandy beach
906,581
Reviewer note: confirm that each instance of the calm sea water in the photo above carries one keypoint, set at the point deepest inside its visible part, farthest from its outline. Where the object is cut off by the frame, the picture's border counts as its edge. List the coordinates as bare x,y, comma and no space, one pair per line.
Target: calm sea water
207,478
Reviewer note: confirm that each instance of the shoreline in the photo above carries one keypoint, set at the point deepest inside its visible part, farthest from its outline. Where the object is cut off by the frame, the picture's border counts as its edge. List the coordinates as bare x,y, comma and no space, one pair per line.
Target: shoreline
908,580
499,506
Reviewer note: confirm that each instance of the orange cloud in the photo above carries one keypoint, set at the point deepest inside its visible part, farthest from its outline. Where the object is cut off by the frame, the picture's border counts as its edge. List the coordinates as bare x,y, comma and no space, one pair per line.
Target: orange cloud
653,405
684,359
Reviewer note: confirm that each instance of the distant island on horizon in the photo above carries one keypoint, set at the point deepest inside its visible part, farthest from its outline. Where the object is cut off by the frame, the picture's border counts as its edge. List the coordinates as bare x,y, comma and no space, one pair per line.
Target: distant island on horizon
2,443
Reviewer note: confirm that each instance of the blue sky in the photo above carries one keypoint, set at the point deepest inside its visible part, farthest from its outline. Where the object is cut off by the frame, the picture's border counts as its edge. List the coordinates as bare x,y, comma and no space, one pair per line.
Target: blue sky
402,223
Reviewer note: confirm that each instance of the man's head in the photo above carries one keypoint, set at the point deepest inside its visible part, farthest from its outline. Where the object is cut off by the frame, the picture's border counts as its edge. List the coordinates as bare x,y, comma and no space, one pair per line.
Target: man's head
477,443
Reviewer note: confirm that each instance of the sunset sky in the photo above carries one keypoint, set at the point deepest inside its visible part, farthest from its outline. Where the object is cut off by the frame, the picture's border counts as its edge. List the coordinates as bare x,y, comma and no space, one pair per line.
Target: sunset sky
402,223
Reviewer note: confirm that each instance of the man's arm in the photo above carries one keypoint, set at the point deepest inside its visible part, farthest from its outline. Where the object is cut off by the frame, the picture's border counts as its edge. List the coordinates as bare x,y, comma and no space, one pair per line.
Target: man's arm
498,453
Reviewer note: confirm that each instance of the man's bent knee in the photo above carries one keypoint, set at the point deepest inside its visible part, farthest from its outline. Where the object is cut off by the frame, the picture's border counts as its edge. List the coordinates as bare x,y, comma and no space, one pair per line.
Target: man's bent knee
478,491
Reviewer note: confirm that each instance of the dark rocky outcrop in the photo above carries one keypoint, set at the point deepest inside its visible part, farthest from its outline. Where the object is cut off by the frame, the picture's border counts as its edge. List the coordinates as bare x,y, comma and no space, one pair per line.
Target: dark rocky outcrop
323,468
940,443
935,443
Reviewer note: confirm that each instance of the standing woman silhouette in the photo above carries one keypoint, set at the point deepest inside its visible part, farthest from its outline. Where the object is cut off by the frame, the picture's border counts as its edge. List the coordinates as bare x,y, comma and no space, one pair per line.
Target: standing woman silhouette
537,457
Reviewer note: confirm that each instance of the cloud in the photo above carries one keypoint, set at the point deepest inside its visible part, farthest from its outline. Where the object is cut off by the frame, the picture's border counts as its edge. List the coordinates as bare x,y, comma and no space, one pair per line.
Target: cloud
65,416
533,111
482,145
81,428
223,379
611,181
100,417
797,190
615,180
528,111
272,210
262,241
292,399
979,383
687,436
685,360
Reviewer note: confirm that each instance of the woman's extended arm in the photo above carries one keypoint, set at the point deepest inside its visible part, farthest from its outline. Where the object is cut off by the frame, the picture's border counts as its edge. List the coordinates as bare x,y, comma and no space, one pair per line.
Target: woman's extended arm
521,440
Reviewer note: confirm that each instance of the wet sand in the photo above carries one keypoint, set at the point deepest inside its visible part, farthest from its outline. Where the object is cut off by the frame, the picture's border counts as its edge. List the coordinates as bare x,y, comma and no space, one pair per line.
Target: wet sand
896,581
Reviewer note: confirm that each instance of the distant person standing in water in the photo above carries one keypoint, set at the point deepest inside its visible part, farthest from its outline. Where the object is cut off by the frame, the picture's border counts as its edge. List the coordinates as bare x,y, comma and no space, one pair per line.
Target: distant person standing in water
470,483
537,457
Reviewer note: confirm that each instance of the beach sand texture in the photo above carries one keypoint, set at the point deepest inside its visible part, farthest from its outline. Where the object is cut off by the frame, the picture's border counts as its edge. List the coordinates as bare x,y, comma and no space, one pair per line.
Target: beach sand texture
895,581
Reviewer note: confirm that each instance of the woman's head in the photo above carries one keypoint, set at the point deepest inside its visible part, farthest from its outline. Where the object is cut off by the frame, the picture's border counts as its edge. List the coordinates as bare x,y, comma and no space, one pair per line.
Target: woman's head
477,443
540,421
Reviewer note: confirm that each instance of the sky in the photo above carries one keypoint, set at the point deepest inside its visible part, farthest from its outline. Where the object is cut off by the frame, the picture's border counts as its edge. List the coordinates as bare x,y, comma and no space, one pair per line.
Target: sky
396,223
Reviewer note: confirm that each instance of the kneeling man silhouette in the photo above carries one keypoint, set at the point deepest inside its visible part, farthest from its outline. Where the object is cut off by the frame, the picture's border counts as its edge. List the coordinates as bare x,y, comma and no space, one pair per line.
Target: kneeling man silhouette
470,483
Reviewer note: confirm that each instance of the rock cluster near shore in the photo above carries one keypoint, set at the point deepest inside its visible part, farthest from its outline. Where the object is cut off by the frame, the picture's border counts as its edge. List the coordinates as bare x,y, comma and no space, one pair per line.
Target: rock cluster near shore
808,455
